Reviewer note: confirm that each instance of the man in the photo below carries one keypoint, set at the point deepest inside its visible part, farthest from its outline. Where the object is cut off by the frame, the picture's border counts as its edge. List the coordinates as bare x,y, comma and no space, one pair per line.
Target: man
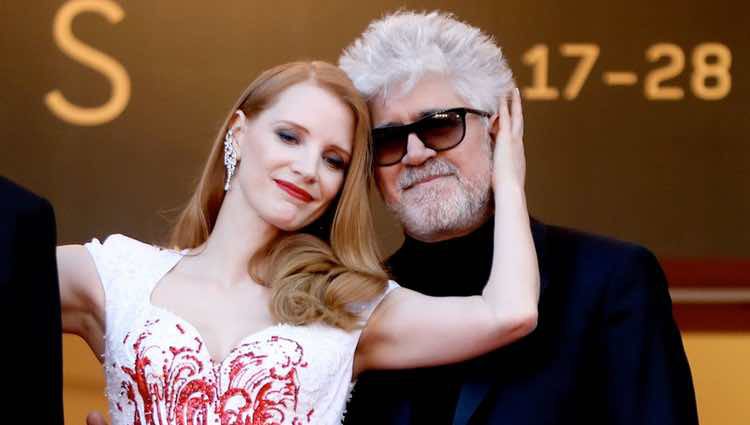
32,337
606,349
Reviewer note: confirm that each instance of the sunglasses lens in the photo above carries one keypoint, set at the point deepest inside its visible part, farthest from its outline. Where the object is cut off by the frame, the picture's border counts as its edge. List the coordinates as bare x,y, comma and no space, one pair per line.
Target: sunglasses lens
389,145
443,130
440,131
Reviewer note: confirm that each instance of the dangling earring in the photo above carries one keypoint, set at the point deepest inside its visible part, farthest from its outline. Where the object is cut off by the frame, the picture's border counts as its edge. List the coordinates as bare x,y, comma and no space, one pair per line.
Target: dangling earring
230,157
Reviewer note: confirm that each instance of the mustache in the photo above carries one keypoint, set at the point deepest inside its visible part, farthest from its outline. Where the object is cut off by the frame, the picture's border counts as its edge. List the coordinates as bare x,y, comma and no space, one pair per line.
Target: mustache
435,167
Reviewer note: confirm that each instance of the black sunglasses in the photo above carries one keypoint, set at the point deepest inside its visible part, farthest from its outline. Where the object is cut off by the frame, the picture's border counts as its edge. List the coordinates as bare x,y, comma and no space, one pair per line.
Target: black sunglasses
441,130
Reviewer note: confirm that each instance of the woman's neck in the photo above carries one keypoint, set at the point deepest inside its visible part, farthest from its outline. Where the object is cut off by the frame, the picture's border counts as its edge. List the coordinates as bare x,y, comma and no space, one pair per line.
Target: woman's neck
237,235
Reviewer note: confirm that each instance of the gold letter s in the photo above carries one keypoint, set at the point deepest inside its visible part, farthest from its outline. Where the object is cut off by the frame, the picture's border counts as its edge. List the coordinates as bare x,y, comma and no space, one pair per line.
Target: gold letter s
116,74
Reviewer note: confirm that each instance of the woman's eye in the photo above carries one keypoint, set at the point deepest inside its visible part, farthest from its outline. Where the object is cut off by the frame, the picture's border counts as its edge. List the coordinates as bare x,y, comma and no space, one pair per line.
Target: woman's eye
287,137
335,162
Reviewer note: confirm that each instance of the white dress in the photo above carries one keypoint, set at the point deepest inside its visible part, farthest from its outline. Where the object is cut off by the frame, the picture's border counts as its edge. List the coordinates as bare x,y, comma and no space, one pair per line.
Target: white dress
159,372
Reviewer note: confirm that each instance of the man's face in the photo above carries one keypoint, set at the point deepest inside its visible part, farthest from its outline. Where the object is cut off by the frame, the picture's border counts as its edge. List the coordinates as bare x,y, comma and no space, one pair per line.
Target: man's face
435,195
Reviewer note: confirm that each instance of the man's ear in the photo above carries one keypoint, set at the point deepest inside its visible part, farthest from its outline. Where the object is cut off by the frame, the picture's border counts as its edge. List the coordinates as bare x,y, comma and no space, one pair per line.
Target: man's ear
494,127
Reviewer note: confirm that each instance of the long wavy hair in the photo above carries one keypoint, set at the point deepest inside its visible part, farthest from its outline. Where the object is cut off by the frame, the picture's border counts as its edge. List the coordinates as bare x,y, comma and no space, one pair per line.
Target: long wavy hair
322,271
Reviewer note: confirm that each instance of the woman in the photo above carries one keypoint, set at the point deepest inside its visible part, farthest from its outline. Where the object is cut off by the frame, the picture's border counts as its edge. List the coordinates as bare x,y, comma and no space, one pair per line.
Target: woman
252,318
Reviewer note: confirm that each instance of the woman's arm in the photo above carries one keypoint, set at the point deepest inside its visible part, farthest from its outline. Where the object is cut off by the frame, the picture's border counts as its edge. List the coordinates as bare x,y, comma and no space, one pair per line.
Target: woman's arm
81,296
409,329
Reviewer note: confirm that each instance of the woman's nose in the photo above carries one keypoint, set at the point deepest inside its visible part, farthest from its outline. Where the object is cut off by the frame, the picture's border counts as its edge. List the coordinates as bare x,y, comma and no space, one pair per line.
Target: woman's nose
305,166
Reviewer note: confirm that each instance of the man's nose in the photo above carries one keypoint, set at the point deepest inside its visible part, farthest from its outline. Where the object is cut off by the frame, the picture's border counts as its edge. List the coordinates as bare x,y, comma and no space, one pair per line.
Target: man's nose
416,152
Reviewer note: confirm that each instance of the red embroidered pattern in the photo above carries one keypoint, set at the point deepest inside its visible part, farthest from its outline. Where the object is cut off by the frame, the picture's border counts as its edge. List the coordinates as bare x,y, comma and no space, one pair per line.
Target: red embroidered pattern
257,384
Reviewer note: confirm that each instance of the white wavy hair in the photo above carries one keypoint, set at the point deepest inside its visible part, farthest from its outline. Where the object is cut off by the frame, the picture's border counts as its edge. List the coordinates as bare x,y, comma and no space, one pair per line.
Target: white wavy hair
400,48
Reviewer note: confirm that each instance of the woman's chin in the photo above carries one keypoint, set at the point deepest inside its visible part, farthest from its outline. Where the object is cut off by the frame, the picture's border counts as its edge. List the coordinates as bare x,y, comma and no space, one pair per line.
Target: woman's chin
290,223
289,228
289,218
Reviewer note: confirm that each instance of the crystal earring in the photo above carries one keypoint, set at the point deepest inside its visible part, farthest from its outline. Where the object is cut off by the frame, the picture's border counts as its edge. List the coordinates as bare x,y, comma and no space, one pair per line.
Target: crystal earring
230,157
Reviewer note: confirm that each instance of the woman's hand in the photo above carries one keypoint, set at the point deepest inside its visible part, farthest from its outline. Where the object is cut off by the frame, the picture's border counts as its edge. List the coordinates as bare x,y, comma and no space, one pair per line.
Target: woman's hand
95,418
509,159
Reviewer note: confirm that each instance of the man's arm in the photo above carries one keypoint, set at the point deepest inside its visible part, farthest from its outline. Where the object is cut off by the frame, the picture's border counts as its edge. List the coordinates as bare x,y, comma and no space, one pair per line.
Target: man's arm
32,303
648,378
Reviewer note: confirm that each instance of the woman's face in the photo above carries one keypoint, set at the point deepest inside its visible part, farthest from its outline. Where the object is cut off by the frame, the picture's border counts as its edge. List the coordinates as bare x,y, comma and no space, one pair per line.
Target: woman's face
294,155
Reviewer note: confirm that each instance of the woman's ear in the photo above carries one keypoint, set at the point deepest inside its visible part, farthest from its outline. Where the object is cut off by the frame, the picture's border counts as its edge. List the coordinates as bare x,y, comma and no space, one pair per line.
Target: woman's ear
238,122
238,126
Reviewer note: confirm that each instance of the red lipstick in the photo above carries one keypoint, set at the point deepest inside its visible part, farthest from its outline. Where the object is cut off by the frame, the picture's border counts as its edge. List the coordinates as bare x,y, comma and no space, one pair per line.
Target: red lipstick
294,190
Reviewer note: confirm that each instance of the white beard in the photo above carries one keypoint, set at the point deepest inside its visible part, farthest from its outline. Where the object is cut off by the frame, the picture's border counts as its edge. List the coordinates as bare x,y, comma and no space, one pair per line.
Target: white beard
445,205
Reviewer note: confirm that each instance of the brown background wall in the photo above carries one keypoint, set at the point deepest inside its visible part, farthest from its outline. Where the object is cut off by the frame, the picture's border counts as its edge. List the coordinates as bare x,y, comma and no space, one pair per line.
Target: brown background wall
672,174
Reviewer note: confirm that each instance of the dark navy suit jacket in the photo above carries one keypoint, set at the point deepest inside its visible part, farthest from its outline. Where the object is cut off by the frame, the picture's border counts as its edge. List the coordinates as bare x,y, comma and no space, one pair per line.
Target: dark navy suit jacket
30,308
606,349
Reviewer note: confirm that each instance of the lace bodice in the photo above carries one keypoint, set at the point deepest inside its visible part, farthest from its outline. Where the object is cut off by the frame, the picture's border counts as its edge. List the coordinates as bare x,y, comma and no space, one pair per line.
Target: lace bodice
159,372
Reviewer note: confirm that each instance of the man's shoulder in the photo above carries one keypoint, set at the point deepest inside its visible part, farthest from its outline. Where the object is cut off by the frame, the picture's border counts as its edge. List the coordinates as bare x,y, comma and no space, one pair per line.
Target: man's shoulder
18,200
566,240
565,251
23,211
557,238
594,257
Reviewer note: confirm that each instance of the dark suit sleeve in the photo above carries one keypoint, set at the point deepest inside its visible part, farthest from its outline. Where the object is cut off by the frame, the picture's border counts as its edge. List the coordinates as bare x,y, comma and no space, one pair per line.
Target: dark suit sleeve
39,312
379,398
644,363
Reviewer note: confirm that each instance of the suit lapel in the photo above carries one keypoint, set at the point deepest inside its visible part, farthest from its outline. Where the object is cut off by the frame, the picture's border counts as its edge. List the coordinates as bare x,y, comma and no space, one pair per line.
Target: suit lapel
476,387
403,414
471,394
